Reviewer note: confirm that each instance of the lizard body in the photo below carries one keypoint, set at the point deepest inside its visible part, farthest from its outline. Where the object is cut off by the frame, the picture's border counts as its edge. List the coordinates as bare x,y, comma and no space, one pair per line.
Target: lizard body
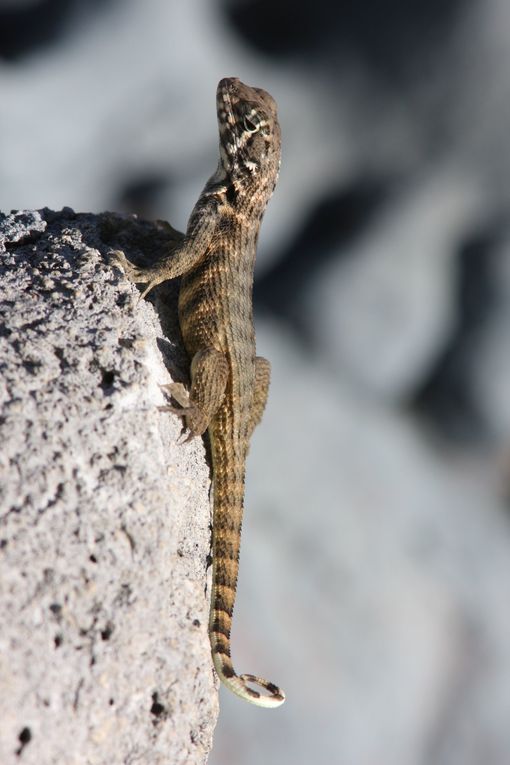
229,383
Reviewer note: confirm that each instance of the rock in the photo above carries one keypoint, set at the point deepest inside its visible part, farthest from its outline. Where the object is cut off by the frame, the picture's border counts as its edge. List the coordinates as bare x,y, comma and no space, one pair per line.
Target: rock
383,313
104,519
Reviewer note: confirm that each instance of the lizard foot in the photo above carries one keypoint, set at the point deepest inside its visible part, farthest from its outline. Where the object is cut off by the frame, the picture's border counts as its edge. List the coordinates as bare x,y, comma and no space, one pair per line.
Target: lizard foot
177,391
191,413
133,273
137,274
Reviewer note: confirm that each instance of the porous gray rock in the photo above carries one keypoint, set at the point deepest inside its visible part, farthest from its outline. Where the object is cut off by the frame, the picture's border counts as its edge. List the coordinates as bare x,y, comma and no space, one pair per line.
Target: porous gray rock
105,516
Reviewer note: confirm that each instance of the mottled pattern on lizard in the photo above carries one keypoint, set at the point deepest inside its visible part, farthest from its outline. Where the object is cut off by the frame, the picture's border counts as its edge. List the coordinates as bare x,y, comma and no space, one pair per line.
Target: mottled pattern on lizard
229,383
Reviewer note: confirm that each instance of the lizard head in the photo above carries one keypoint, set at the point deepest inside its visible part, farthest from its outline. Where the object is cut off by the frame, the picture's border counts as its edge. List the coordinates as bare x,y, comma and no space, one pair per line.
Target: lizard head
249,136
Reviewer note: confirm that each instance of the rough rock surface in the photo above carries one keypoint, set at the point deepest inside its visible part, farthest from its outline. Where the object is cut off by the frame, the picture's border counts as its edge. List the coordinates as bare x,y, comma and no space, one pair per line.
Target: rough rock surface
104,515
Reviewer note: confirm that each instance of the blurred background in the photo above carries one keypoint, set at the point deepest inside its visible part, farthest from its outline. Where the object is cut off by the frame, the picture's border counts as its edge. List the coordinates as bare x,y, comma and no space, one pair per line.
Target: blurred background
375,571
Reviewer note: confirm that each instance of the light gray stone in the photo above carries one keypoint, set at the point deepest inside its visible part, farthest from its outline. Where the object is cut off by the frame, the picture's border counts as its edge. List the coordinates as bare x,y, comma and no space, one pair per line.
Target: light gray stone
384,312
105,516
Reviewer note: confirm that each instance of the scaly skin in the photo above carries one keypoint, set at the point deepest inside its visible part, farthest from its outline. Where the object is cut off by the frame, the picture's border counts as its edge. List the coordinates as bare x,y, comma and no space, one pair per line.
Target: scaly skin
229,382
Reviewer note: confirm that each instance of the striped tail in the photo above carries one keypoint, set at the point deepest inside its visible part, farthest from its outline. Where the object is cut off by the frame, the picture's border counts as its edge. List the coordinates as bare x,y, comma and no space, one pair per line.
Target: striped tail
228,513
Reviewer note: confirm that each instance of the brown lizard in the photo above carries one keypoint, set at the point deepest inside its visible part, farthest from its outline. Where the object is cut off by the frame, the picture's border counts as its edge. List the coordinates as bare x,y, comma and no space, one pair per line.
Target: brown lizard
229,383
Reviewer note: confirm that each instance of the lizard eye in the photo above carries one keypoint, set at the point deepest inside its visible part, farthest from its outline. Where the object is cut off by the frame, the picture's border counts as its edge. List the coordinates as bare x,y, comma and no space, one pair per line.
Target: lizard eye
251,123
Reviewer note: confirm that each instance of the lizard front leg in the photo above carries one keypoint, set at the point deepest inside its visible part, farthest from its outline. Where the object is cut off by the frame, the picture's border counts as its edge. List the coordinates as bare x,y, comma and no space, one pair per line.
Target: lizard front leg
182,256
177,262
209,374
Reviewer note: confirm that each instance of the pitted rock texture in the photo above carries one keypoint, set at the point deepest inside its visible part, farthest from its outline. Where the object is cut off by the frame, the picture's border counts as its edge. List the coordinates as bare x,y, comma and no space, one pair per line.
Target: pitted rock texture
104,514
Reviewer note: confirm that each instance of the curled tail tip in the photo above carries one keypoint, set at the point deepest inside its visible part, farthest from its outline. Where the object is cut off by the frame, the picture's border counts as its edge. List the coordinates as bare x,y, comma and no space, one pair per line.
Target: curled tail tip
274,698
238,684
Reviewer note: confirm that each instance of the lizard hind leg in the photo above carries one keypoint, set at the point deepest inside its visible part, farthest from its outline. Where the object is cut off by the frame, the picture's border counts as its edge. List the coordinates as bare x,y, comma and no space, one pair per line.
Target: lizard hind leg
209,374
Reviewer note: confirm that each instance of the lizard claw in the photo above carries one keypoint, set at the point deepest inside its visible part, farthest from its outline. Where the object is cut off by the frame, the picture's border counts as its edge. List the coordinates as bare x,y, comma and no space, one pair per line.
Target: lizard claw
134,273
181,411
178,392
118,258
181,395
188,411
189,437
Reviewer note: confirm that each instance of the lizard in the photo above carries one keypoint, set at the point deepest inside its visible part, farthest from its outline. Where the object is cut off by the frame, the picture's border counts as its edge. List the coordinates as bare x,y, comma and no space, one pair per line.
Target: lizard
229,383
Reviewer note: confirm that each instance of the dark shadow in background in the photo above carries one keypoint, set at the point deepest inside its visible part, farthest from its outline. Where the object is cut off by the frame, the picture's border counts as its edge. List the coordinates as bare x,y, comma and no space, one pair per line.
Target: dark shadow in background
335,221
27,27
389,36
446,396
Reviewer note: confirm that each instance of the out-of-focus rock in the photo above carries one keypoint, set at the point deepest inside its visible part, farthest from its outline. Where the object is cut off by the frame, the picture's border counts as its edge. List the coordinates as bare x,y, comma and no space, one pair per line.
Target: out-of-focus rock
384,311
